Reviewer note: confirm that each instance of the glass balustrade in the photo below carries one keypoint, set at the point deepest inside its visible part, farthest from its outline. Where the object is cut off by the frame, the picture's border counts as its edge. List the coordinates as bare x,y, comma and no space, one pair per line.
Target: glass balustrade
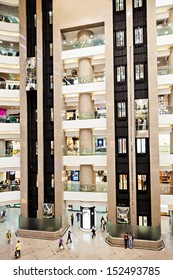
9,51
83,115
10,119
50,225
86,152
8,188
165,110
167,149
6,85
9,152
166,189
139,232
165,30
164,70
85,187
9,19
95,78
94,40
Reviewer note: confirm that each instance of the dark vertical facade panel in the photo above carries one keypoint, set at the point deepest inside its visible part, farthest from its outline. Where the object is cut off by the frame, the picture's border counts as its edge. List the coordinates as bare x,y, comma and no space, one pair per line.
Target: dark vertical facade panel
31,116
141,92
120,94
47,101
31,28
32,156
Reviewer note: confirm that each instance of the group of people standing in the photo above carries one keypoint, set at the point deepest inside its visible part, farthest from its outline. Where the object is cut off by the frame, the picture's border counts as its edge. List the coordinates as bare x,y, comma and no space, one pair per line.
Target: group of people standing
128,240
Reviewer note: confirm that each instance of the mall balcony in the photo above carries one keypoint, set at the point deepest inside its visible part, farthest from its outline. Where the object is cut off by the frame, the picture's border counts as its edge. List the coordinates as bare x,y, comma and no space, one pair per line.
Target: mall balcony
94,156
84,192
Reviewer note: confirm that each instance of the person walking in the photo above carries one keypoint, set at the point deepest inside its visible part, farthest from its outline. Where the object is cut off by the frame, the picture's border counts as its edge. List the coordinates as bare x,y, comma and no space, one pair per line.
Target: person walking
8,235
126,237
60,246
78,216
69,237
101,221
72,219
17,249
93,230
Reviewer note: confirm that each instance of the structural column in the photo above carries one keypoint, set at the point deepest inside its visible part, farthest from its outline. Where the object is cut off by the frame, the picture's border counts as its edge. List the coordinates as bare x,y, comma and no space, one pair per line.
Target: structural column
86,106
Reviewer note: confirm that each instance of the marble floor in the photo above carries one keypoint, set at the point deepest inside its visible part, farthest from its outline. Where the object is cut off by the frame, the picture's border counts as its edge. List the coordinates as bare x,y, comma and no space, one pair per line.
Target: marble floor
83,247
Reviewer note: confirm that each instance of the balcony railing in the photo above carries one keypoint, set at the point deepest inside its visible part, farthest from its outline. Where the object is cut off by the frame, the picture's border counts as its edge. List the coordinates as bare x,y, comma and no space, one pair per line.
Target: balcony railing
85,188
95,78
84,116
89,42
10,119
166,189
165,110
166,30
164,70
86,152
6,85
9,188
9,51
9,152
9,19
166,149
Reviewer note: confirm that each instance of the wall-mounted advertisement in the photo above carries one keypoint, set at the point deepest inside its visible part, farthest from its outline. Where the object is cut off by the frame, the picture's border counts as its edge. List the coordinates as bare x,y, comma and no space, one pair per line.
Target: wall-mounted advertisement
86,218
123,215
31,81
48,210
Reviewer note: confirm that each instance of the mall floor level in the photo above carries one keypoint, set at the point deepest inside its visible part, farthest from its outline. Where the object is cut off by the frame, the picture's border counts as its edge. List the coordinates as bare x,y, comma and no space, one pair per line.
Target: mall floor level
83,246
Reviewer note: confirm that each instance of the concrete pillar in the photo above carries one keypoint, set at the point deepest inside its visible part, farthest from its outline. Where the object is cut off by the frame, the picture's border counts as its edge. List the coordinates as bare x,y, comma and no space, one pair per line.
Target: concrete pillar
87,175
170,61
86,106
170,97
171,178
2,147
170,19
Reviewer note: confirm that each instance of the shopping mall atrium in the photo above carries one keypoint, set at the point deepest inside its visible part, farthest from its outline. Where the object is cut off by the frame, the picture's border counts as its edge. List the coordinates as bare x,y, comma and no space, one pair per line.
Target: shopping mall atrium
86,127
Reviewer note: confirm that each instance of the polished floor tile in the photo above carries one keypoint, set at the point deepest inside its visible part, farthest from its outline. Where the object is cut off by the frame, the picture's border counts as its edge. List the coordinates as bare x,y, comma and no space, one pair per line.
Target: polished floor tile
83,247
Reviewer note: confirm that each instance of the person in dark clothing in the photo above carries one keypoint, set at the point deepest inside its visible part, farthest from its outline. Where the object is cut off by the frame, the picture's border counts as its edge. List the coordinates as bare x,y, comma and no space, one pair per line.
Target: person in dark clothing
72,219
93,230
126,237
69,237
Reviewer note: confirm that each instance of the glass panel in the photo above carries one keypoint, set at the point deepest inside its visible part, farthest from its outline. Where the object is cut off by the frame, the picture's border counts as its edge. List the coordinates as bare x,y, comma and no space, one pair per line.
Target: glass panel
141,146
142,182
40,224
52,181
51,49
121,106
119,5
51,82
141,114
139,72
51,114
120,74
139,35
120,38
140,232
123,182
50,17
143,221
122,146
52,147
138,3
35,20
